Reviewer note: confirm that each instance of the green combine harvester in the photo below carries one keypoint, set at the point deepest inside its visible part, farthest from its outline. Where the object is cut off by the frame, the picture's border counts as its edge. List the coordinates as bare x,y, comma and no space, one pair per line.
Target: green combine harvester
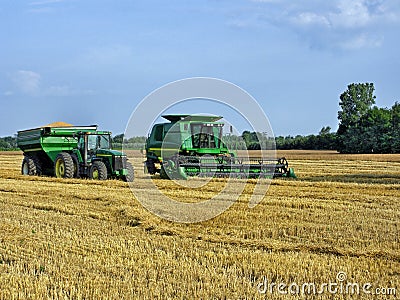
72,152
191,145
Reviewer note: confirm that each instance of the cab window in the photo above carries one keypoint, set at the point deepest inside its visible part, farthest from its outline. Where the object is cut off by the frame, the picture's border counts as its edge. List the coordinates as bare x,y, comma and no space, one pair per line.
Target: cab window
158,133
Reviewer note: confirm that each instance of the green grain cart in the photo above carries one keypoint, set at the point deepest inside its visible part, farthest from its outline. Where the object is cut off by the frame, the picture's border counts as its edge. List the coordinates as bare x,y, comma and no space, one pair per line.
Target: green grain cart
191,145
72,152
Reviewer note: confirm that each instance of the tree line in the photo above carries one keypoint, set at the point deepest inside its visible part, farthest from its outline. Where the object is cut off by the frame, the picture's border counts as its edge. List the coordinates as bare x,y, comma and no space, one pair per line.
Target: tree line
363,128
325,140
8,143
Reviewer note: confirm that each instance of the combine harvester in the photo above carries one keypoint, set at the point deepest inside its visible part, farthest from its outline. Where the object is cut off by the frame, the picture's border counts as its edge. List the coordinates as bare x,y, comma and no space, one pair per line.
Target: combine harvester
68,151
191,145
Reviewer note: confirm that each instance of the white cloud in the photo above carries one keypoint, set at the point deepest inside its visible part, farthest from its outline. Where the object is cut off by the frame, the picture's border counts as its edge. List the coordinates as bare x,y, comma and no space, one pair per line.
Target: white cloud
362,41
265,1
345,14
44,6
28,82
41,10
390,9
45,2
109,55
352,14
342,24
57,91
102,58
309,18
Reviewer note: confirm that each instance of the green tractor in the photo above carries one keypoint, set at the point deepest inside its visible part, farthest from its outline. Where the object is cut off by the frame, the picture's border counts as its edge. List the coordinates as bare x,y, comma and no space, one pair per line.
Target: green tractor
72,152
191,145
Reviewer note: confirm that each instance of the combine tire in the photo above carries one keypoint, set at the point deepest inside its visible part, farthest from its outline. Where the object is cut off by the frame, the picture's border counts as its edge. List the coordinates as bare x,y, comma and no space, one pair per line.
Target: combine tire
151,167
64,165
31,166
170,170
163,173
98,170
131,173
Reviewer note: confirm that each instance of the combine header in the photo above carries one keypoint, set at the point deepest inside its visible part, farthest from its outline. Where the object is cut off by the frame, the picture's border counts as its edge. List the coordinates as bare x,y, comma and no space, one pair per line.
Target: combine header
191,145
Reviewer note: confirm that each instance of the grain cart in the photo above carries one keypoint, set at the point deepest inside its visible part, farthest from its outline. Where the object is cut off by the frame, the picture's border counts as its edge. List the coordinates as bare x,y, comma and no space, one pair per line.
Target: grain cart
72,152
191,145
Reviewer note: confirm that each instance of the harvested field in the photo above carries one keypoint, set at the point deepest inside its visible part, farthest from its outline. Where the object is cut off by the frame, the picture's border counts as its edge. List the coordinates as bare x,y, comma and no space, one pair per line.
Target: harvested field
82,239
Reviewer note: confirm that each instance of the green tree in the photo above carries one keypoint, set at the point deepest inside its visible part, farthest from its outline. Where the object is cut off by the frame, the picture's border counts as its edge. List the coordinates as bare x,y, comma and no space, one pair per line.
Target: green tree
246,136
119,138
8,142
325,130
355,102
374,134
4,144
395,130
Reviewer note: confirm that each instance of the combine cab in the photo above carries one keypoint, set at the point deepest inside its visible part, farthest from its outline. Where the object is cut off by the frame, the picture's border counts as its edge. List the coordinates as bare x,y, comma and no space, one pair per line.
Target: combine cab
72,152
191,145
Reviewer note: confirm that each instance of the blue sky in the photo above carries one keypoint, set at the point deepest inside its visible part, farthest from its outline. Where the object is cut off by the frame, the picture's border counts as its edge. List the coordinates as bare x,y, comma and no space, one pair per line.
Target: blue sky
92,62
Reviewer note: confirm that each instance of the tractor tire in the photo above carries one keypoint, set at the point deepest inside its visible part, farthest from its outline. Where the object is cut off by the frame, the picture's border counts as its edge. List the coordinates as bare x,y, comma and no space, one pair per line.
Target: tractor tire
131,173
76,166
98,170
31,166
64,165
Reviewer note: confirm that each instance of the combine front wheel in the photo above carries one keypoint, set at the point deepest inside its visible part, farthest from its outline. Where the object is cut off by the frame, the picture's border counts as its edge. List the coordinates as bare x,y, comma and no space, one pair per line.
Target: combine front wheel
150,166
172,170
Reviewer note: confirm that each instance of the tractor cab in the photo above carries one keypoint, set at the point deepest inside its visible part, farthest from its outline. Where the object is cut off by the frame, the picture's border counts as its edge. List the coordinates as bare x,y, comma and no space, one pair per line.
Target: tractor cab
99,141
93,141
91,144
96,146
